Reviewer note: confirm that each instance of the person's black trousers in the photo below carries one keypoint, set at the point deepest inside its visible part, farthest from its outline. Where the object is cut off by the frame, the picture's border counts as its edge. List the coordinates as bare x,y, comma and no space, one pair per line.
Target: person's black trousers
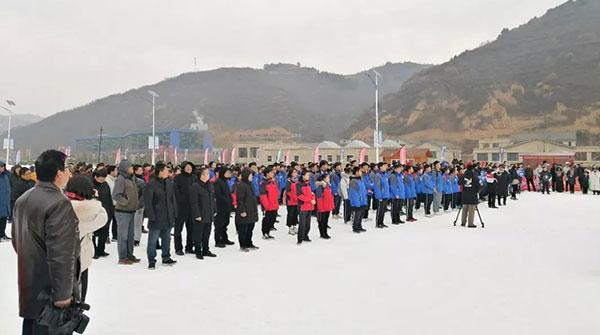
410,202
337,203
584,190
502,200
268,222
30,327
245,234
530,181
366,211
292,216
447,200
189,227
428,202
304,227
323,220
396,205
201,237
491,199
381,209
546,187
514,190
572,188
221,224
3,220
375,203
357,218
419,200
347,211
84,284
99,239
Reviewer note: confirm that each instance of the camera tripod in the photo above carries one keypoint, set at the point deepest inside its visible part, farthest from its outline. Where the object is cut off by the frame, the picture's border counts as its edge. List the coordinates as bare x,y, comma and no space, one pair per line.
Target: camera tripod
478,214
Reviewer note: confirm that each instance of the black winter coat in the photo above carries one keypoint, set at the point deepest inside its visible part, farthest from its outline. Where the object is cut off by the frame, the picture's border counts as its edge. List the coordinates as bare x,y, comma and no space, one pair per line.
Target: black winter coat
105,198
19,187
159,204
46,238
470,188
182,185
203,205
223,196
503,182
246,202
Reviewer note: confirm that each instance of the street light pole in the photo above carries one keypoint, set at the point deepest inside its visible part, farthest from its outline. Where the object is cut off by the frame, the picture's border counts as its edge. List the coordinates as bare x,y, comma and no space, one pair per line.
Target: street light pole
376,83
99,146
10,113
154,95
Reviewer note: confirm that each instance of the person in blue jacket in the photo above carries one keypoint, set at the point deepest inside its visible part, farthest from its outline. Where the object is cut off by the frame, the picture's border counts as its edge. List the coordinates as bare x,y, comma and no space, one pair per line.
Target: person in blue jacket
397,193
280,179
447,188
456,187
419,187
429,187
410,192
381,193
335,178
5,208
366,178
357,194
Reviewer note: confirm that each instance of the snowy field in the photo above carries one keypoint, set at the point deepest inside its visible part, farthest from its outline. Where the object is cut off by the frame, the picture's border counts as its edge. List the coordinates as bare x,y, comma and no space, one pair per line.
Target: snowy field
534,269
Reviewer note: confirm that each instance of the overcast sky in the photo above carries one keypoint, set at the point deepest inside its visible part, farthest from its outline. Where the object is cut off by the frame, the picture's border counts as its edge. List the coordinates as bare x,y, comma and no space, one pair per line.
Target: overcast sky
57,55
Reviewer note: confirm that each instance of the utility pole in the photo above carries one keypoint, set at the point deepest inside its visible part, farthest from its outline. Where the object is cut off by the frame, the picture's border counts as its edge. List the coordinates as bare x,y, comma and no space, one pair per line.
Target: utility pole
99,145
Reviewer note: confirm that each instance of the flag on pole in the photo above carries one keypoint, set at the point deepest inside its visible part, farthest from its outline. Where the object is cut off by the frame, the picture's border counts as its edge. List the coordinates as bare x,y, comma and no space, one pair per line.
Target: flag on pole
185,152
233,151
68,151
206,156
316,155
342,155
10,103
18,157
403,155
175,157
278,156
118,157
443,153
164,155
361,155
500,155
287,157
223,155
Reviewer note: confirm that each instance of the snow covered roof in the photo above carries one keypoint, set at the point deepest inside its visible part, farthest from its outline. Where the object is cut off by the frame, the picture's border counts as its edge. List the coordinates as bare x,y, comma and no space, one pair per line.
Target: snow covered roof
357,144
328,145
390,144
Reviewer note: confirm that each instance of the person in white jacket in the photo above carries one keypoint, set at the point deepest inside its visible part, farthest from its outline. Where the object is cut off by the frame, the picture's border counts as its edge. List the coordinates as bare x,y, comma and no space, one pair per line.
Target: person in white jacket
595,180
92,216
343,192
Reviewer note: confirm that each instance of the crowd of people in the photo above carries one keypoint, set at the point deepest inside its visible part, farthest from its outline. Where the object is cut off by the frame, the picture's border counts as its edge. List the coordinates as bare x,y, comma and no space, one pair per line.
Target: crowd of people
53,204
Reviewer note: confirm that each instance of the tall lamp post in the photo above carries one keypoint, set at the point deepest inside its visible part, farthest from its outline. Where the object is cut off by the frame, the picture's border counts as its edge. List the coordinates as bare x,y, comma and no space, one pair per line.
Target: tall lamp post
154,96
10,113
376,83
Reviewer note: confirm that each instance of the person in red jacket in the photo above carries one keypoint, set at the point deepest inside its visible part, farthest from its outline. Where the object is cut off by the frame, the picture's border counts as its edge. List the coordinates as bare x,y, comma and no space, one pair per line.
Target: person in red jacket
269,199
291,201
324,204
306,205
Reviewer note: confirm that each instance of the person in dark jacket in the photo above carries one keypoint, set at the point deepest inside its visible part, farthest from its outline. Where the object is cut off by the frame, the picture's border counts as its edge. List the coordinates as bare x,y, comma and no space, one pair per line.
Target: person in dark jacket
140,180
46,239
546,178
246,212
584,181
22,185
470,195
224,207
269,199
203,208
14,178
5,206
161,209
515,182
182,185
571,179
125,194
529,178
503,182
492,187
103,190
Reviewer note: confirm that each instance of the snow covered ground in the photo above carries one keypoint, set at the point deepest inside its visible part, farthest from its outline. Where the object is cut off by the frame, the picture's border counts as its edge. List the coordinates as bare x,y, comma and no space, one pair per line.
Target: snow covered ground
534,269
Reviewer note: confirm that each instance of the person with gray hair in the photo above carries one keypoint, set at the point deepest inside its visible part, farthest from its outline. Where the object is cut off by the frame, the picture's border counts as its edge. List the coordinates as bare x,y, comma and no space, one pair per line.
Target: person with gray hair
125,194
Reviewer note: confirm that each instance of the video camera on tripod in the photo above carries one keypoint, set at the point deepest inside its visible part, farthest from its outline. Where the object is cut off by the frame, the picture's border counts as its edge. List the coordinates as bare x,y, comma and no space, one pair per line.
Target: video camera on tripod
63,320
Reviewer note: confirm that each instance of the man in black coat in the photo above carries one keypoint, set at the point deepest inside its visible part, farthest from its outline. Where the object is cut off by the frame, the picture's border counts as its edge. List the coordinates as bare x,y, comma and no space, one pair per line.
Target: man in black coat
161,209
503,182
105,197
246,212
181,186
203,206
470,190
224,208
46,238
